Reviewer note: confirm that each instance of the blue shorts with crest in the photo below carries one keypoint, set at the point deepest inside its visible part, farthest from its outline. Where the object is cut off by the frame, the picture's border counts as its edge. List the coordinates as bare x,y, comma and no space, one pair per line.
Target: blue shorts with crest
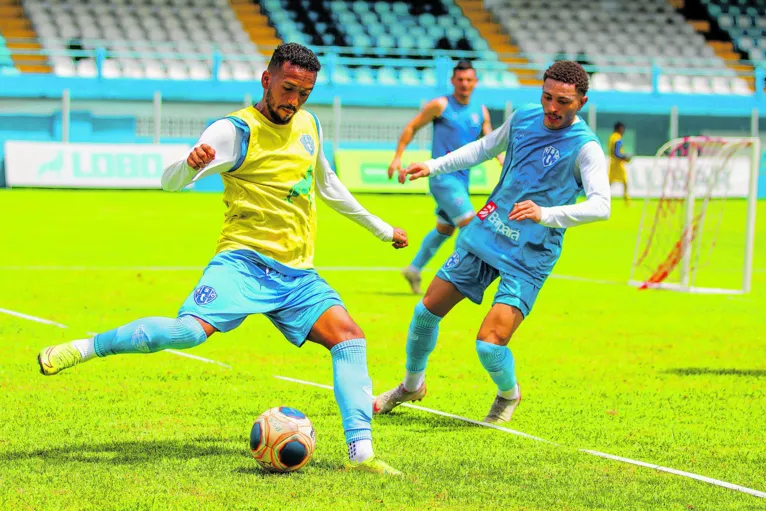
239,283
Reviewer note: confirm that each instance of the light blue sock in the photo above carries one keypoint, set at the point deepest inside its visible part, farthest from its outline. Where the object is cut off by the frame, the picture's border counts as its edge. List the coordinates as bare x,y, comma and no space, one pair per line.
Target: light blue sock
148,335
353,388
428,248
499,363
421,338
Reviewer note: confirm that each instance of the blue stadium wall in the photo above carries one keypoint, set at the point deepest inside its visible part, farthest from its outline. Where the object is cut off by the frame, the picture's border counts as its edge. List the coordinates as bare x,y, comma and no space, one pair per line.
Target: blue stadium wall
697,113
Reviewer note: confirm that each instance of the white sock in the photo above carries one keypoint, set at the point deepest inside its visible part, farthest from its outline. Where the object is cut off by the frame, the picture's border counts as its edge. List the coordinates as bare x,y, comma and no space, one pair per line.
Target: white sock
86,348
413,381
413,269
360,450
509,394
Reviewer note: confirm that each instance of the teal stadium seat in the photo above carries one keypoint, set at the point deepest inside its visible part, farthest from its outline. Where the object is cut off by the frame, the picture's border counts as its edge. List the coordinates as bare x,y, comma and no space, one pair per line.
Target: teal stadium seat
387,76
377,28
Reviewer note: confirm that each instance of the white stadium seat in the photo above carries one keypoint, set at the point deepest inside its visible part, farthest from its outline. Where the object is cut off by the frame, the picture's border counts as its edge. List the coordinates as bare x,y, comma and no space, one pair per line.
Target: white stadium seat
156,25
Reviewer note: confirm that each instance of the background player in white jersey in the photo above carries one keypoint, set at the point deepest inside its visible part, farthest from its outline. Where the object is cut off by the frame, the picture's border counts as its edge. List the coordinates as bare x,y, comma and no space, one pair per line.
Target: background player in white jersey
551,157
456,121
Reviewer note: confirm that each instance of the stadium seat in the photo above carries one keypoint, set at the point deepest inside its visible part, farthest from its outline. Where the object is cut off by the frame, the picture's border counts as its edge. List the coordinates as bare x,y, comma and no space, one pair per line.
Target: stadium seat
621,35
142,26
382,29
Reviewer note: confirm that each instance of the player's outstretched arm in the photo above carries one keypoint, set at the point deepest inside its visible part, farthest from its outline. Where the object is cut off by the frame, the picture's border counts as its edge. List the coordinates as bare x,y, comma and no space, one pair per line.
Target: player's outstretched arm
216,151
463,158
430,111
335,194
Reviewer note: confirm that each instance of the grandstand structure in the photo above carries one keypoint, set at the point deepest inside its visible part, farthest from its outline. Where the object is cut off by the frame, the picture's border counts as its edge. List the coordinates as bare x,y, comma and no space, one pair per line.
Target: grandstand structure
700,46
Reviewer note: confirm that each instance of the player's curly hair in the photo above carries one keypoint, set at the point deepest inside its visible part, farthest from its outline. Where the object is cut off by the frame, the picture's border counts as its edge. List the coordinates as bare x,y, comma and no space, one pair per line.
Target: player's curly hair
297,55
568,71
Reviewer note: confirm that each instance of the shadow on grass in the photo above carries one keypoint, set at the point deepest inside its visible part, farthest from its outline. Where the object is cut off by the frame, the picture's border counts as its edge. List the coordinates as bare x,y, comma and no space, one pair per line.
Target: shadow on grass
256,470
693,371
416,420
125,453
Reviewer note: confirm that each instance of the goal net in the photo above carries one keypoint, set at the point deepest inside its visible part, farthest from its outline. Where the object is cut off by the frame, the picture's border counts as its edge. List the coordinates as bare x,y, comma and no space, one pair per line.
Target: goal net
698,223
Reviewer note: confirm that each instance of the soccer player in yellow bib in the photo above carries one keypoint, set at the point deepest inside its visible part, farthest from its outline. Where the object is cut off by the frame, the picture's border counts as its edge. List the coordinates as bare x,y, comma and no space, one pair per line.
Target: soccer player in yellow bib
270,159
617,160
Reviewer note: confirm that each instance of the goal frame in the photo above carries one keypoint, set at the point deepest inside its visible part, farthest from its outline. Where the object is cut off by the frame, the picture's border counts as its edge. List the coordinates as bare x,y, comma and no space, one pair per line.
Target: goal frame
686,284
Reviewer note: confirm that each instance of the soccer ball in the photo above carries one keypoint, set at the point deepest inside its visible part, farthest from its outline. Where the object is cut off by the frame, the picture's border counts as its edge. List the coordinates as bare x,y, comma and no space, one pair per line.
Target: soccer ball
282,439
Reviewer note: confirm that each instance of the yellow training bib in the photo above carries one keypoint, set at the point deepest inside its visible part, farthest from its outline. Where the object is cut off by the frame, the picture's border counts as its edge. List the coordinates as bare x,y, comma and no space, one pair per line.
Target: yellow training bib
269,197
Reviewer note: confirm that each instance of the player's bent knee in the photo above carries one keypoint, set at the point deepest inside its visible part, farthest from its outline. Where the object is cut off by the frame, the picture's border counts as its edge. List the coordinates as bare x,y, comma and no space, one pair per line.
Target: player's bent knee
492,336
351,331
346,330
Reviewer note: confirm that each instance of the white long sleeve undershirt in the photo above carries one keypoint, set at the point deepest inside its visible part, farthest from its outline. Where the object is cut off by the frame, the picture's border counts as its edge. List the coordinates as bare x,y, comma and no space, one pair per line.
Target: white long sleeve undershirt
590,166
226,140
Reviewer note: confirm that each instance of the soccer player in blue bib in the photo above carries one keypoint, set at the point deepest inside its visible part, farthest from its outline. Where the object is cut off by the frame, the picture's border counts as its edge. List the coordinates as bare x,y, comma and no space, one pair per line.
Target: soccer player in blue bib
456,121
551,156
270,159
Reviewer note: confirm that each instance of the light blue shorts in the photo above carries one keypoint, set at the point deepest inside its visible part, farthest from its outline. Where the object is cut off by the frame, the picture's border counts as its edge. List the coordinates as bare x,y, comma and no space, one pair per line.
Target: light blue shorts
472,276
453,202
237,284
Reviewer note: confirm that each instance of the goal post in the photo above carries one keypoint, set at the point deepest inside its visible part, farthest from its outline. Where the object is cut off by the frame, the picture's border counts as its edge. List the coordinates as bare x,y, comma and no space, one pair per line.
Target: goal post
697,229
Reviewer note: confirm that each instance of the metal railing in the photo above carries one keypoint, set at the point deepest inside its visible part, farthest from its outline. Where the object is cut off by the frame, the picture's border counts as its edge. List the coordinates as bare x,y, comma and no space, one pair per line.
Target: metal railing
333,58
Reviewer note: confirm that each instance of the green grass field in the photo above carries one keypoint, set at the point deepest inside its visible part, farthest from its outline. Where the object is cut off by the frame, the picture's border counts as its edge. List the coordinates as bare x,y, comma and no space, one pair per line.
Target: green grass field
666,378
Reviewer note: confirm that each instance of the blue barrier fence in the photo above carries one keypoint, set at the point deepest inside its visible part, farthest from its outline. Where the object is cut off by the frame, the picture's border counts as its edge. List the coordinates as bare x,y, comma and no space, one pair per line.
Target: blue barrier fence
86,127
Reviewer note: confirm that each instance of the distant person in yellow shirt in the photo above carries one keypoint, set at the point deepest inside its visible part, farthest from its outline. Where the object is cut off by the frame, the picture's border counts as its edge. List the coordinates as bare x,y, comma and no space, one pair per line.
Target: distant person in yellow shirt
270,159
617,160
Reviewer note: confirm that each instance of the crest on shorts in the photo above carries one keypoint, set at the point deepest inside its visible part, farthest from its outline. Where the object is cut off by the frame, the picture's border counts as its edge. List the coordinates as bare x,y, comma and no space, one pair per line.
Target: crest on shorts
203,295
308,144
550,156
453,261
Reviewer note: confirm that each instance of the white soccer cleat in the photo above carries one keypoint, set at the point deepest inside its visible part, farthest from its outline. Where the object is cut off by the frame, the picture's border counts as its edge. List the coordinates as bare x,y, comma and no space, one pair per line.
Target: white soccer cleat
413,278
502,409
387,401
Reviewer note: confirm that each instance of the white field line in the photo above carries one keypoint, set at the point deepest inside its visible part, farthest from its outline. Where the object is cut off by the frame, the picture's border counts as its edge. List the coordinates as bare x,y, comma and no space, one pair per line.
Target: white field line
681,473
31,318
318,268
430,410
195,357
49,322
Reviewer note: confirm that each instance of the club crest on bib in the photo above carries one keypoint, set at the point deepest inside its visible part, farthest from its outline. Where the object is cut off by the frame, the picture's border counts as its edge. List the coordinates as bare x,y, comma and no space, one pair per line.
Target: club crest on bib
550,156
308,143
204,295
